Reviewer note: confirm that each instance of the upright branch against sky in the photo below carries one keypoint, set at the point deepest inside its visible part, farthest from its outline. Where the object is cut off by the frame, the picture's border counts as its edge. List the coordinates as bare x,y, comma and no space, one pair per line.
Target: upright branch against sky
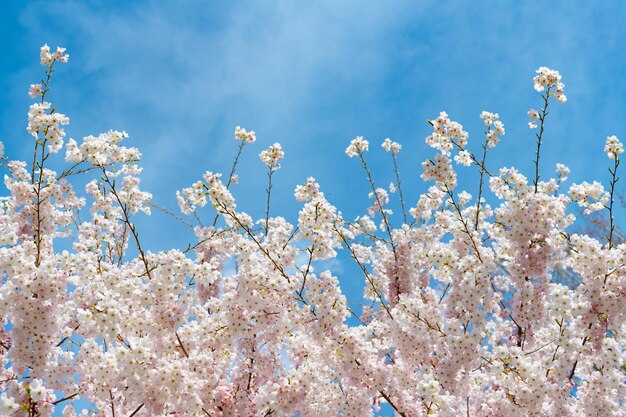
271,158
460,315
549,81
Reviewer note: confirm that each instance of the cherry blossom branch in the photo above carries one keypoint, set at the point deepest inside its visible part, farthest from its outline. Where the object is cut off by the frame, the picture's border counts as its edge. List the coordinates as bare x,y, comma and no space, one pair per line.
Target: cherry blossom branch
127,221
391,403
542,117
139,408
232,172
367,275
463,222
397,172
251,235
480,181
182,346
377,197
46,87
172,214
69,397
614,179
269,194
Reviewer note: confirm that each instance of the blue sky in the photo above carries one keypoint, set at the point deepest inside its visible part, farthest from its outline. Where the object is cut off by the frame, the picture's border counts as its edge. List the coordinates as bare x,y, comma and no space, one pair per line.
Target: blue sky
179,76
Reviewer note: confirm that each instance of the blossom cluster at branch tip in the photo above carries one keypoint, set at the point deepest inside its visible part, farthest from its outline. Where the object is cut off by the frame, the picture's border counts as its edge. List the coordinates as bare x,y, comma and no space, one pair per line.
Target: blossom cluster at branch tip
272,156
591,196
446,133
391,146
548,79
357,146
562,172
613,147
308,191
242,134
495,127
102,150
47,58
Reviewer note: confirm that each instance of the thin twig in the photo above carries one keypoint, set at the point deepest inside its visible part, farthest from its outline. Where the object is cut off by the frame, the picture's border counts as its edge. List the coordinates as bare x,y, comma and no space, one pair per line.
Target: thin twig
542,117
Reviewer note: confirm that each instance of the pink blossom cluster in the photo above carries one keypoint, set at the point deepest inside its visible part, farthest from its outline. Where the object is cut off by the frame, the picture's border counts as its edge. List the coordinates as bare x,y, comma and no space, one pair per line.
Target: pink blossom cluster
464,310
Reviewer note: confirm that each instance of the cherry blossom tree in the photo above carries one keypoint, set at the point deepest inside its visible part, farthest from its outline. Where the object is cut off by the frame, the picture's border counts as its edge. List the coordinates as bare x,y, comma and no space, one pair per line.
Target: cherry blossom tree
466,314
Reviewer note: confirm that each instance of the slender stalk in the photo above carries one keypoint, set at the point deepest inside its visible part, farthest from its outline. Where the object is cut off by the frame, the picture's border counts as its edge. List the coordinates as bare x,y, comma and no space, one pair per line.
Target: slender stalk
269,194
112,404
256,241
40,164
397,172
367,275
466,228
182,347
480,183
614,179
542,118
232,173
382,211
126,220
45,89
172,214
391,403
69,397
139,408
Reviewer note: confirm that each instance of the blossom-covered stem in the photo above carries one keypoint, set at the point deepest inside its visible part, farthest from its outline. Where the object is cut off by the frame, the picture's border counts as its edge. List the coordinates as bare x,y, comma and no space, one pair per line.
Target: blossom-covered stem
127,221
380,205
464,223
365,273
367,233
475,160
397,172
235,162
232,172
70,171
573,370
480,182
40,164
561,330
308,269
291,236
614,179
38,199
475,247
542,118
251,235
269,194
45,89
213,234
251,368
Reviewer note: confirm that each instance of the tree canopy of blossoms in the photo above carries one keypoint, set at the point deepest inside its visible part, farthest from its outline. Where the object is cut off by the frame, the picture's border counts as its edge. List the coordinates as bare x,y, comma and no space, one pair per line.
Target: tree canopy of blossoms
466,314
